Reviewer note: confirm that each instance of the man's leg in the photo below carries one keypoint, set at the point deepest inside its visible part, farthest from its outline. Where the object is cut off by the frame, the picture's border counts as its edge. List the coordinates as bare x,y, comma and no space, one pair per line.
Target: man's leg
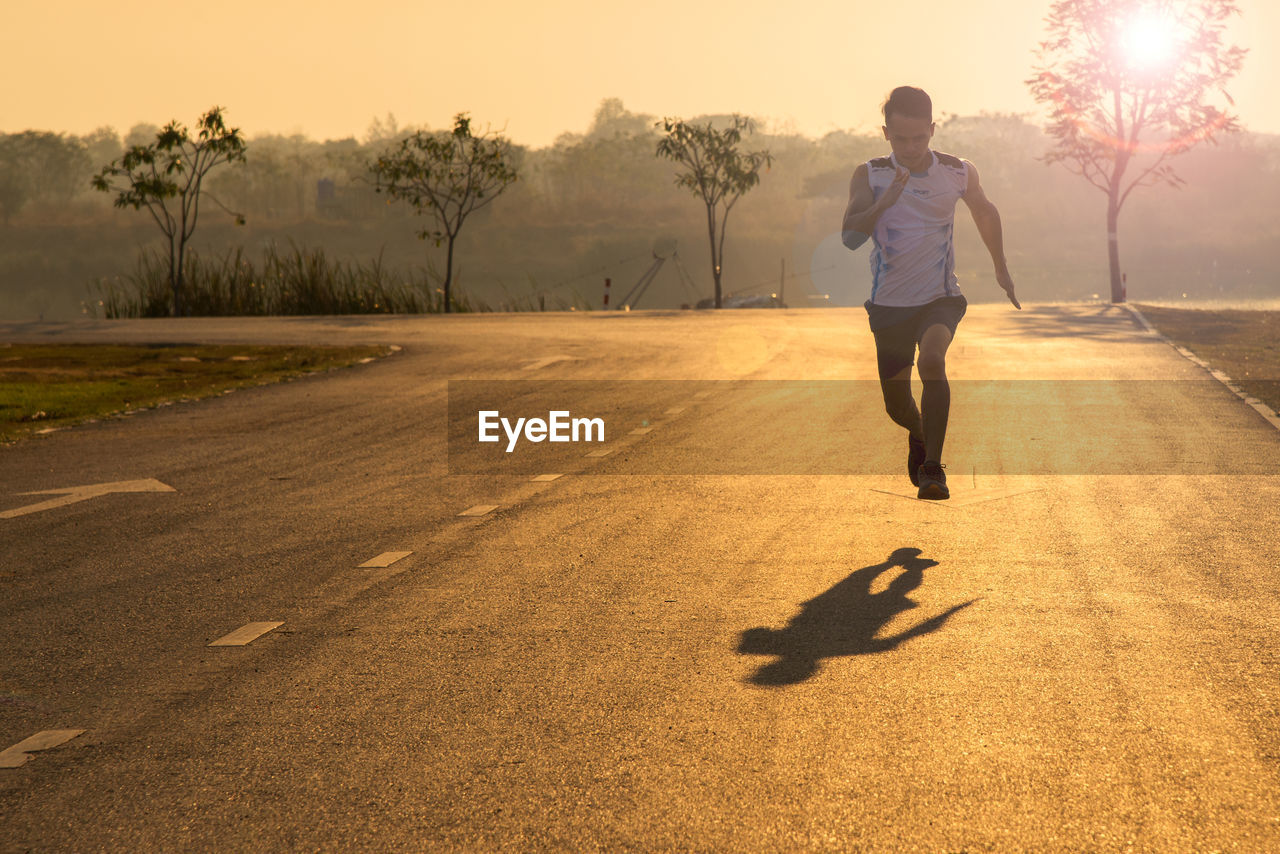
900,404
895,354
936,397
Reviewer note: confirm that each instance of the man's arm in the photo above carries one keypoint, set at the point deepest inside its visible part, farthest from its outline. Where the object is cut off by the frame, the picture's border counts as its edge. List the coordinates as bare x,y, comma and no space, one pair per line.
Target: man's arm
864,208
987,219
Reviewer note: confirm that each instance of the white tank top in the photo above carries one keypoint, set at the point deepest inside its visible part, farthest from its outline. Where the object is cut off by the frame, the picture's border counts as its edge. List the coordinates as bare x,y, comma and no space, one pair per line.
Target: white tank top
913,257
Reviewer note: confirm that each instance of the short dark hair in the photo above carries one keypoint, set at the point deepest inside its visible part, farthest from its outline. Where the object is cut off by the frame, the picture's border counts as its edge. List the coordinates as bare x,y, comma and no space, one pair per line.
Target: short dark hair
909,101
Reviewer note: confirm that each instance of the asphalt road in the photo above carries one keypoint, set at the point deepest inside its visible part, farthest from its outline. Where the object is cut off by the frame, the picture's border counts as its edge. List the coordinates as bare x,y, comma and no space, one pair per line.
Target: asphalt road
1078,652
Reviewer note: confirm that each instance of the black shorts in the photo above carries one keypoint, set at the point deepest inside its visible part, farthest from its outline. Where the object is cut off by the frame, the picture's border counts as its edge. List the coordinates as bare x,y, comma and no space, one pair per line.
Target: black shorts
898,329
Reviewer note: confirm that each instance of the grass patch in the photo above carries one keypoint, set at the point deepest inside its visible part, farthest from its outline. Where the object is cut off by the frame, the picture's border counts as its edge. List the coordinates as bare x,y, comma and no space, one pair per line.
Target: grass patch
293,282
55,385
1244,345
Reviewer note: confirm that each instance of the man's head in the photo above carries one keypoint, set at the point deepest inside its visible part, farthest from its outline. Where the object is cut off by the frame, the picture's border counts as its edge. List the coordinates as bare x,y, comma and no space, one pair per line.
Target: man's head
908,125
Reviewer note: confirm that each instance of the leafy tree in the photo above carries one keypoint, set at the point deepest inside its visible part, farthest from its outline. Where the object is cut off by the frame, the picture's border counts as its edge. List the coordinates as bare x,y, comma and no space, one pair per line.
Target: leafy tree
140,134
1128,84
39,165
103,146
613,119
165,177
447,176
584,175
715,170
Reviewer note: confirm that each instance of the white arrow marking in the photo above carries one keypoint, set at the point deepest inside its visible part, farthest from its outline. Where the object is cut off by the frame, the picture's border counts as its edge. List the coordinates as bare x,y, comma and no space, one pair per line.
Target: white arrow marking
17,756
549,360
72,494
963,497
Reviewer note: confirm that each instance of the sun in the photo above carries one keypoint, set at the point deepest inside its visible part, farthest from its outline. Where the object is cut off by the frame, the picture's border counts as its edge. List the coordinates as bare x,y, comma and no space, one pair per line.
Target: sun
1149,40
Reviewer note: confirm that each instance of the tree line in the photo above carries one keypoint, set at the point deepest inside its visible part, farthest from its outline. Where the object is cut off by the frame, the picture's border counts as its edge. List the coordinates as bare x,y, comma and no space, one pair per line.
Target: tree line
589,188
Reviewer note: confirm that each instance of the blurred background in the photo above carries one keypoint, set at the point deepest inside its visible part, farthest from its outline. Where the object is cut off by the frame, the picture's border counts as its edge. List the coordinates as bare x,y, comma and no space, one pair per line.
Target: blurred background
592,200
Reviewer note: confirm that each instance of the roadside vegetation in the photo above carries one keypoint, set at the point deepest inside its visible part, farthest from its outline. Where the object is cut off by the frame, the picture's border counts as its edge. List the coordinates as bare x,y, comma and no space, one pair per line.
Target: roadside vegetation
47,386
295,281
594,203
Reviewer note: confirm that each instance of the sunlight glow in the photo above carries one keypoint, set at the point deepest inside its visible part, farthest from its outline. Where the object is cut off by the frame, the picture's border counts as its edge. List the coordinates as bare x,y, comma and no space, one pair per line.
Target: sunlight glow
1149,40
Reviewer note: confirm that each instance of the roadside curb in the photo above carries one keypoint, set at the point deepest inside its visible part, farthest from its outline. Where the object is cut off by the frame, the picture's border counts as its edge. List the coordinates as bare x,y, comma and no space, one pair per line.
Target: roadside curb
1261,408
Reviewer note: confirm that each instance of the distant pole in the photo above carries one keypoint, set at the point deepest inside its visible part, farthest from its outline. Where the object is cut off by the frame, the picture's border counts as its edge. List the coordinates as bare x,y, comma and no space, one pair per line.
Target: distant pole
606,294
782,280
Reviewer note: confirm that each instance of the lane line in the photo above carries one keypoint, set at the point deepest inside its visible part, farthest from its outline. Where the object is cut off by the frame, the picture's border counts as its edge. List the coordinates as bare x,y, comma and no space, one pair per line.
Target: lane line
603,453
20,753
675,410
543,478
383,560
247,634
479,510
1256,405
640,431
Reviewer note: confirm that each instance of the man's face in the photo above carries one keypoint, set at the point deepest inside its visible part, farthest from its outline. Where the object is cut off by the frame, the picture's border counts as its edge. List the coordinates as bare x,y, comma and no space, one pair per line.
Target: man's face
909,139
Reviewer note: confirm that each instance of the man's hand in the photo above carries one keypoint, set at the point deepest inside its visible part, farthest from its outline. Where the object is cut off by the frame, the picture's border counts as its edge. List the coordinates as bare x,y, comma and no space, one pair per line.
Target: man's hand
1004,280
894,190
864,208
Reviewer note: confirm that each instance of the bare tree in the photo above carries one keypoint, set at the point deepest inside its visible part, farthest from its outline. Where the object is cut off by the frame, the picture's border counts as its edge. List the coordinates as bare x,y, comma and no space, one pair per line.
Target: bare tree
1128,84
715,170
446,176
165,177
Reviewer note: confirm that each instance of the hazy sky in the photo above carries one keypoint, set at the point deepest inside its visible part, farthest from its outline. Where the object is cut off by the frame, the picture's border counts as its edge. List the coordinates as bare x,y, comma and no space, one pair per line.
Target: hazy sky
538,68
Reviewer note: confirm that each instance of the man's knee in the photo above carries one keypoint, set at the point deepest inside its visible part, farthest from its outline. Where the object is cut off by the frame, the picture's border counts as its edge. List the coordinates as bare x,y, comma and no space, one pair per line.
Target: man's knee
933,366
898,402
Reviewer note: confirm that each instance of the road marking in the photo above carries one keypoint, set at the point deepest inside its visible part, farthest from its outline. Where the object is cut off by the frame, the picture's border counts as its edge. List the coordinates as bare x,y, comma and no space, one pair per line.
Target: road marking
18,755
549,360
246,634
479,510
603,453
702,395
640,431
72,494
1272,417
962,498
383,560
542,478
675,410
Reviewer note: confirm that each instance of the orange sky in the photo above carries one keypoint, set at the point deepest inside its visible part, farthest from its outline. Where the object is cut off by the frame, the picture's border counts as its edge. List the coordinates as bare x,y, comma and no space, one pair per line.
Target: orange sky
537,68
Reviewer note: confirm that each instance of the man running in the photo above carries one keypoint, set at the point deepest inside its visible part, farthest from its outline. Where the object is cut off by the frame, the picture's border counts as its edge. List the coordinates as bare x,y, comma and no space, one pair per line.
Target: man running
906,204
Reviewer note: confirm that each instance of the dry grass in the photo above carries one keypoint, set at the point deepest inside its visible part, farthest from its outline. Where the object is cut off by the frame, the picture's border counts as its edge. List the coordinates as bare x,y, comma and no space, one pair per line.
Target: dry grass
45,386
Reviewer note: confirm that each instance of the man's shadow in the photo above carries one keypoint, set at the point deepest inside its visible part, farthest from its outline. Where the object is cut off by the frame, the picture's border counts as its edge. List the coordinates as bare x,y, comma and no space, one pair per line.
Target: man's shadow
843,621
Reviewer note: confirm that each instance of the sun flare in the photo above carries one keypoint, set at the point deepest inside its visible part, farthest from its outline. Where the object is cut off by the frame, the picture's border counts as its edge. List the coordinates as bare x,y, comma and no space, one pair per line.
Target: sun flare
1149,40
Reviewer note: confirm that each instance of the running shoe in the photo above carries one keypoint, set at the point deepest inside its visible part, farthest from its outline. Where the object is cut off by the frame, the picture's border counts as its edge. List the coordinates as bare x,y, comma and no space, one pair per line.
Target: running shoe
915,458
933,481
